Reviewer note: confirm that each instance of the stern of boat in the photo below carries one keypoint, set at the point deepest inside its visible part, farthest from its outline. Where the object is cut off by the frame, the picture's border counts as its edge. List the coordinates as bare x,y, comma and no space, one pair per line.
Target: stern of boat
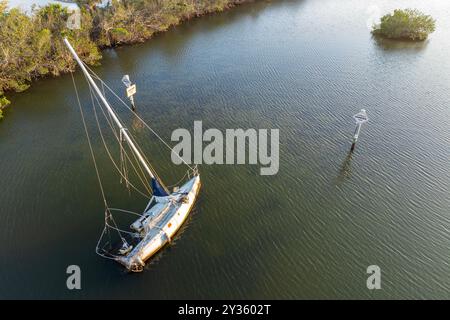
186,195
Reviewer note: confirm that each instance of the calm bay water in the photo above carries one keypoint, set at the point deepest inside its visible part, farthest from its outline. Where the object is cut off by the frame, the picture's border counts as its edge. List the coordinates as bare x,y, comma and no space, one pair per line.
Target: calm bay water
304,67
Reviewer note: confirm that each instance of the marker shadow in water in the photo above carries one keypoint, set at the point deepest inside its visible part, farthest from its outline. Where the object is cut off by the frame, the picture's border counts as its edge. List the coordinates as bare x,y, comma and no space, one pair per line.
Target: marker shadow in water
345,169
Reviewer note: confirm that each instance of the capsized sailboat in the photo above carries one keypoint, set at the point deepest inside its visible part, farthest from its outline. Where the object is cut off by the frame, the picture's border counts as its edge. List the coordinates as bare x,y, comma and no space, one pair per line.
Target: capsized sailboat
166,211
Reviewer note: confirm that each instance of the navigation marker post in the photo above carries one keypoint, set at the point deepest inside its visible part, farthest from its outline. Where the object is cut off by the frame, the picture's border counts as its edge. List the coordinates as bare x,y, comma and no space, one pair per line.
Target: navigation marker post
360,118
131,89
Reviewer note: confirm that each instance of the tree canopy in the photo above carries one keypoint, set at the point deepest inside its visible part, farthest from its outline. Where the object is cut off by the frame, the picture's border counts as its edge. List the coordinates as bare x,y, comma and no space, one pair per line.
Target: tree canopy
410,24
31,45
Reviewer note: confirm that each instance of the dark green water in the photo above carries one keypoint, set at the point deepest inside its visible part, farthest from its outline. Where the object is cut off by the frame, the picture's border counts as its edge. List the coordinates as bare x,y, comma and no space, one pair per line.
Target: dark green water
304,67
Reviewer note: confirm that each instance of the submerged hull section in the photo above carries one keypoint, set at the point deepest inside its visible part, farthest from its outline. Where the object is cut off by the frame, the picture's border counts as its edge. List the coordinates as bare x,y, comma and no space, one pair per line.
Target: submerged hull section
160,223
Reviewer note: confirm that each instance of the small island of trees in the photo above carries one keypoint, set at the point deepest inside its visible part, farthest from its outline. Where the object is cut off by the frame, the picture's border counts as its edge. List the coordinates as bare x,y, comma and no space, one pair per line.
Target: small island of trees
407,24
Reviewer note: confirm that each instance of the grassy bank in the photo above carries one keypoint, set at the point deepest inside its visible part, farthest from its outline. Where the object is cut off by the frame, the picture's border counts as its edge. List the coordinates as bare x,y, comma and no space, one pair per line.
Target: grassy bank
31,44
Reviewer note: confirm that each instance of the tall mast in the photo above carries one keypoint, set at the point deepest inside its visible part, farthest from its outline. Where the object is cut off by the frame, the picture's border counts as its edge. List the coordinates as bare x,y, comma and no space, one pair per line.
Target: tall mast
122,129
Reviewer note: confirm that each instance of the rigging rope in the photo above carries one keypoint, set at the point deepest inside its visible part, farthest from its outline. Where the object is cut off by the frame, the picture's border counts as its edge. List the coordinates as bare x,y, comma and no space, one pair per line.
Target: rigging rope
123,171
108,215
134,113
89,142
143,177
148,196
147,162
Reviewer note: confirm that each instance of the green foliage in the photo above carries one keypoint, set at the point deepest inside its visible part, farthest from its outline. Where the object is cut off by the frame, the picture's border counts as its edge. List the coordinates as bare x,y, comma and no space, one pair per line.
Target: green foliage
3,103
31,46
408,24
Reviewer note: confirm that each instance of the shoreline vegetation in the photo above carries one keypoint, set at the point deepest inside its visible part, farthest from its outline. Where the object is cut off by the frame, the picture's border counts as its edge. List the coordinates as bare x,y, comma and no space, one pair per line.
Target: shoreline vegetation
31,45
405,24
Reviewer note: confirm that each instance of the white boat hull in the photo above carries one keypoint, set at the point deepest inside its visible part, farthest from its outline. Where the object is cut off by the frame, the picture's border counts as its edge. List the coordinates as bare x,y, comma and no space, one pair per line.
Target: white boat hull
160,223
